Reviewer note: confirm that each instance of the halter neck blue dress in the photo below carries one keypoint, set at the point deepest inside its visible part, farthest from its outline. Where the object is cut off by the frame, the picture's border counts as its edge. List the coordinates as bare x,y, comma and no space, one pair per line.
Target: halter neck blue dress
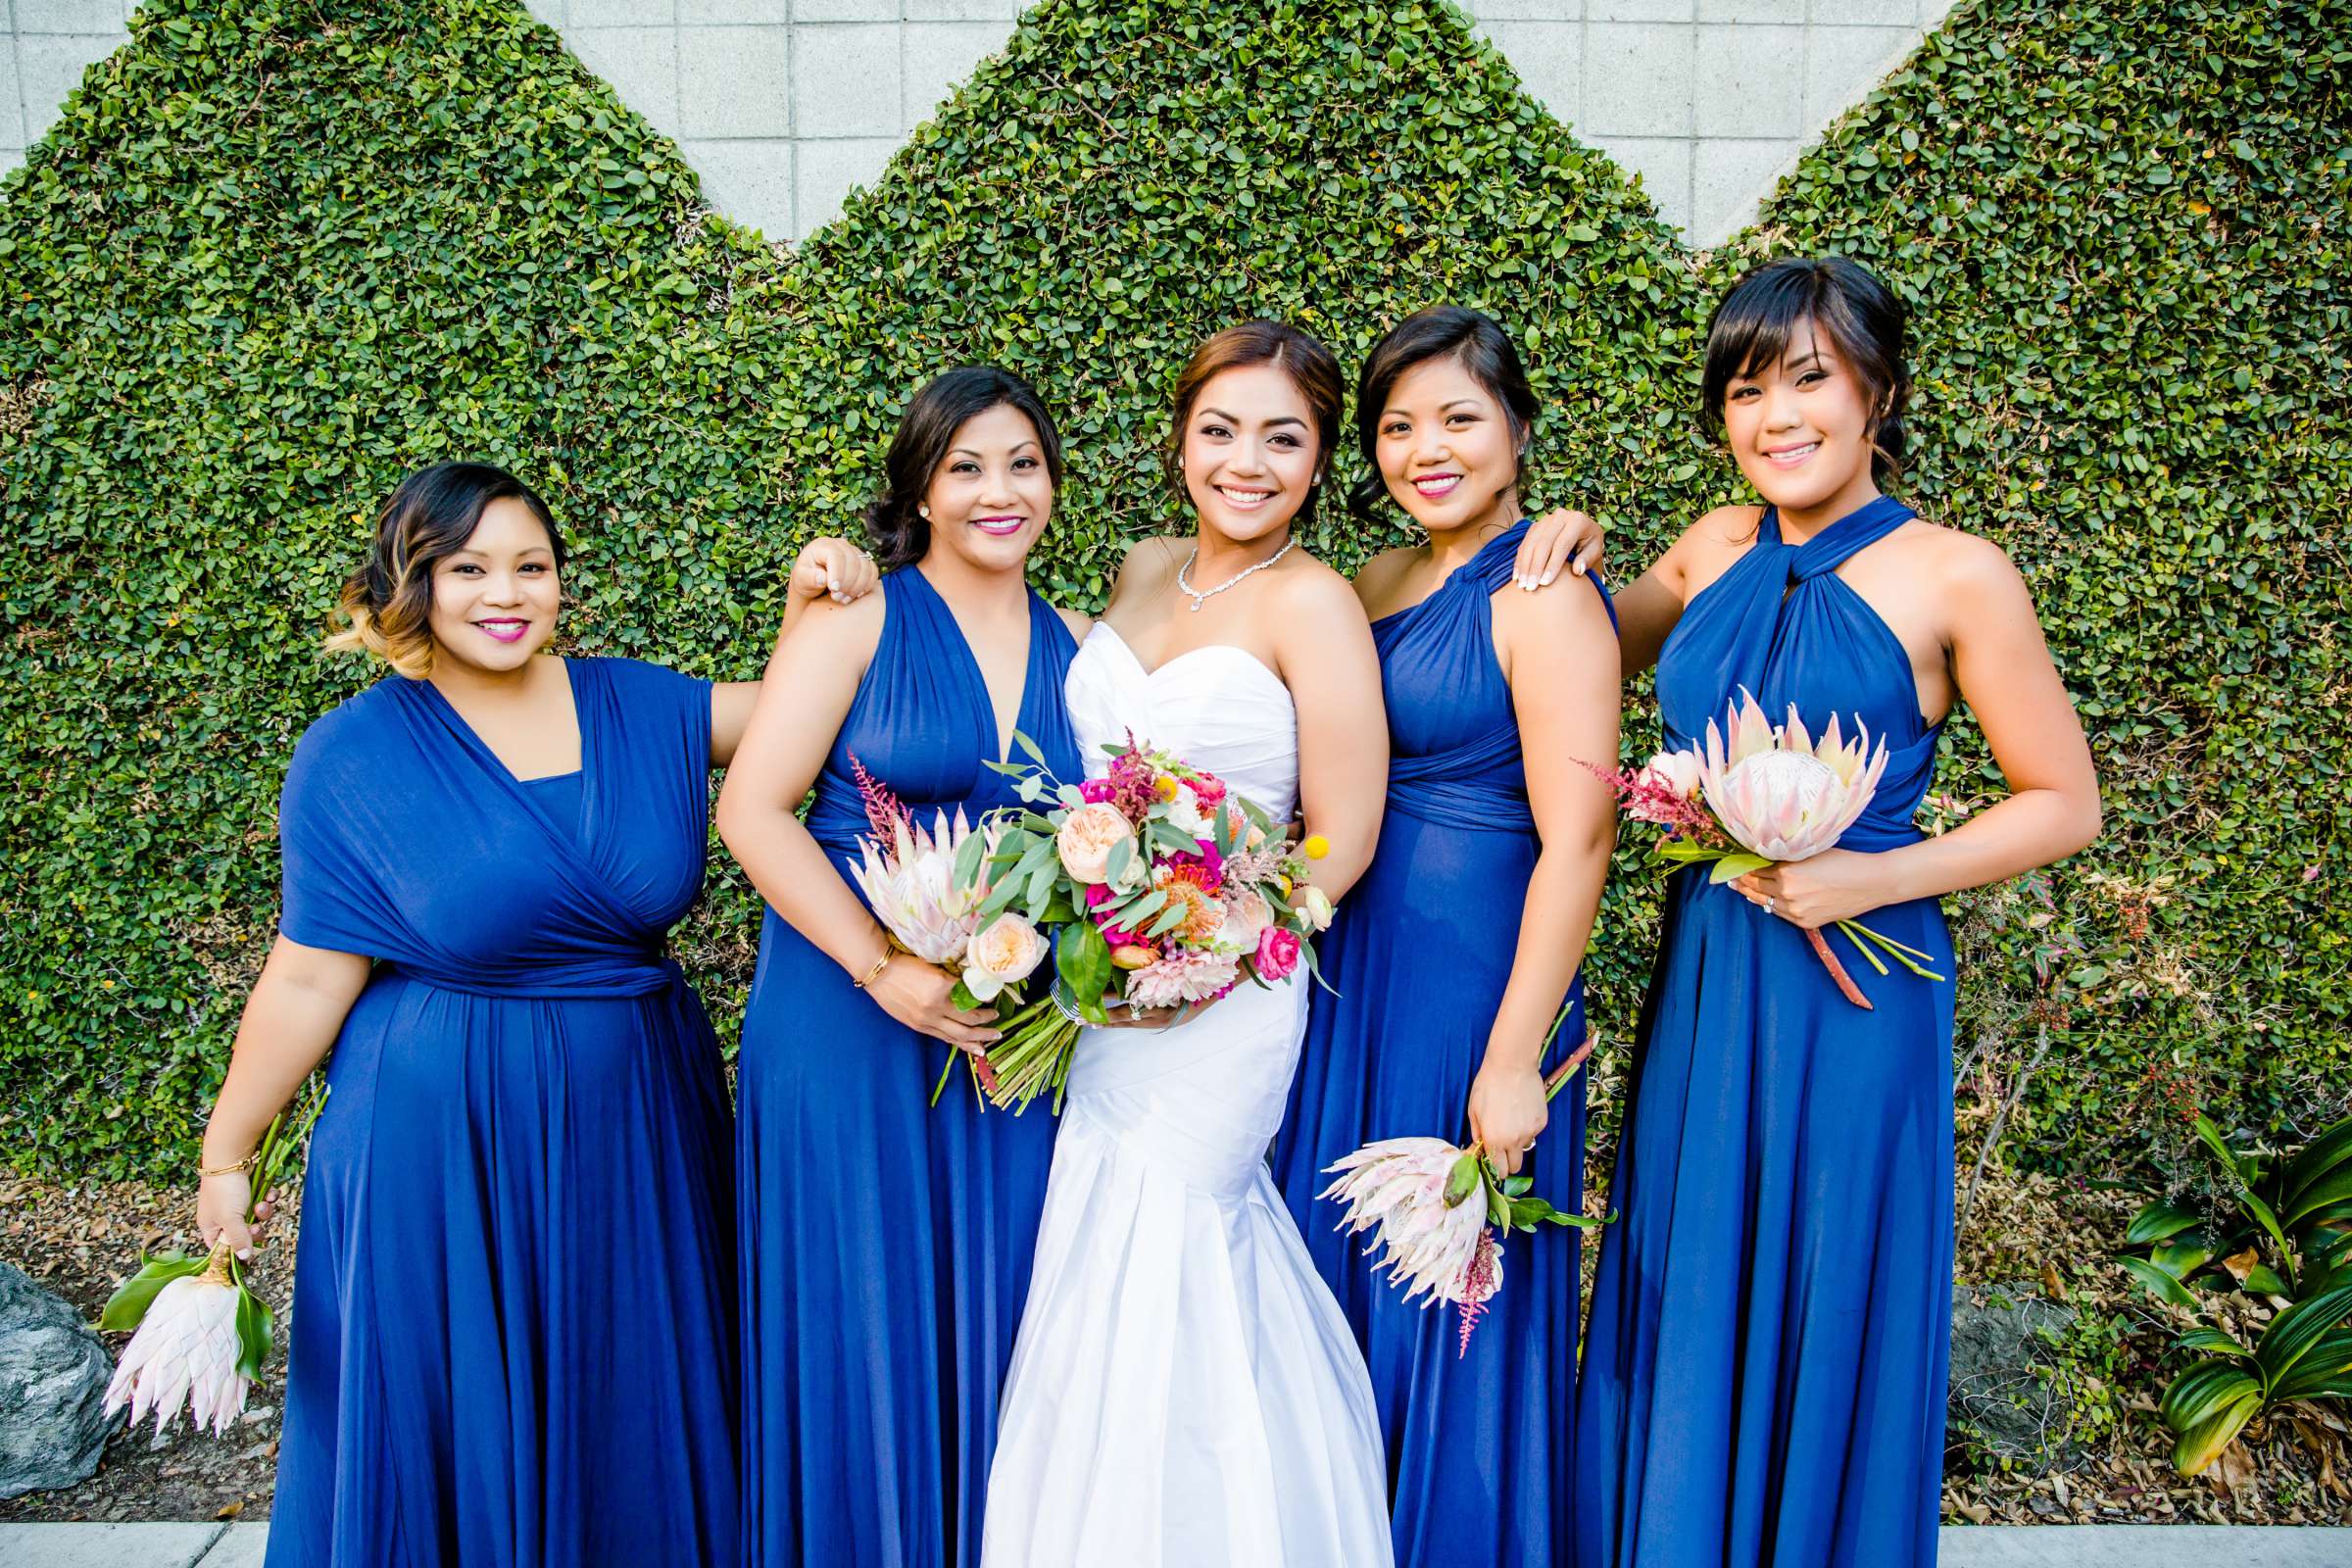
514,1281
1479,1445
1765,1363
886,1242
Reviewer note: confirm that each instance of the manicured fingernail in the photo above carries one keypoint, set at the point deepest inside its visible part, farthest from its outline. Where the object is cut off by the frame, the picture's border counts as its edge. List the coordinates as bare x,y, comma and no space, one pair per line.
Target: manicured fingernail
1548,576
246,1254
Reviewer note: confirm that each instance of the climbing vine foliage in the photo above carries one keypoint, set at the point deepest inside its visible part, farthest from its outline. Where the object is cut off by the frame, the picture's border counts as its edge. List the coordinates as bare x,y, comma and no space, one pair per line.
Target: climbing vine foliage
277,253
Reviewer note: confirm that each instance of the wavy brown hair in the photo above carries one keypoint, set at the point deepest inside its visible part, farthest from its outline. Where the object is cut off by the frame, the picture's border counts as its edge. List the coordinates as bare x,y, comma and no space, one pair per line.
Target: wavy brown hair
386,608
1310,367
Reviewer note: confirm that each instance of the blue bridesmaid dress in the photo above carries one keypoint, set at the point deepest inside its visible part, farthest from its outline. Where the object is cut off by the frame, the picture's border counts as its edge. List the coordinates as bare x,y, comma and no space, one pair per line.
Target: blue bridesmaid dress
886,1242
1420,953
513,1292
1764,1367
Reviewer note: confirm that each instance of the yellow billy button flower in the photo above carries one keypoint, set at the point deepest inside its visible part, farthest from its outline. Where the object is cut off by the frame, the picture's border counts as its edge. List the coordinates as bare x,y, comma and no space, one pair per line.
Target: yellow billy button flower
1316,847
1166,788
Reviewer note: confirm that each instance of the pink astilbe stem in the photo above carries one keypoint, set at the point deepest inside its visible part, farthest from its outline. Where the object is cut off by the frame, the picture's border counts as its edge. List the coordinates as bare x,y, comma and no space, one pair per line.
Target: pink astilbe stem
1478,1284
1645,798
883,810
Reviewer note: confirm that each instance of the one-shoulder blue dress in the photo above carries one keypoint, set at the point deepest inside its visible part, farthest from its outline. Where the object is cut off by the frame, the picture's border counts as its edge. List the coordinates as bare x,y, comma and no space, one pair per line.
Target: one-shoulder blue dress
513,1293
1764,1367
886,1242
1420,953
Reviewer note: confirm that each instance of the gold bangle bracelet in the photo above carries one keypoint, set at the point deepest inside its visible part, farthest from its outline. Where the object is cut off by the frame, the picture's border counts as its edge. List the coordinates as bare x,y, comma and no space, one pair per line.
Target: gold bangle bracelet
246,1163
880,964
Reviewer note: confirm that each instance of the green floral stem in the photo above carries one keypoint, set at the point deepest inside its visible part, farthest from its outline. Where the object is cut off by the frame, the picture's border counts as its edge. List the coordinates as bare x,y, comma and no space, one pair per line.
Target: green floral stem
1909,957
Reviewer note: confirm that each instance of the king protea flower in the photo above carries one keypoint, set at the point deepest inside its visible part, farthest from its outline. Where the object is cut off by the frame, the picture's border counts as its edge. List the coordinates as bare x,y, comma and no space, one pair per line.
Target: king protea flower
1415,1196
1780,794
911,885
1772,794
1430,1203
187,1350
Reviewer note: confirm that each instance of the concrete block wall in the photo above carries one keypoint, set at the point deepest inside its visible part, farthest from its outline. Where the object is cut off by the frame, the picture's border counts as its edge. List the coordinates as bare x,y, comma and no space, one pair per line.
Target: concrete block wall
783,104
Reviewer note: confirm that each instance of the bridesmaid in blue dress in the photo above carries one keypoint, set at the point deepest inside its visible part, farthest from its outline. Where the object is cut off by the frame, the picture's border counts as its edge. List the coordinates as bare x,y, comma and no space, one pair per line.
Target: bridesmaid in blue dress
887,1242
1765,1362
513,1283
1460,945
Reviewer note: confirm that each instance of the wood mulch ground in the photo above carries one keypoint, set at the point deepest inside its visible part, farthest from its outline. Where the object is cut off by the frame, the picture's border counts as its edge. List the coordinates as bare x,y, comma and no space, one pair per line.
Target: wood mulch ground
2104,1459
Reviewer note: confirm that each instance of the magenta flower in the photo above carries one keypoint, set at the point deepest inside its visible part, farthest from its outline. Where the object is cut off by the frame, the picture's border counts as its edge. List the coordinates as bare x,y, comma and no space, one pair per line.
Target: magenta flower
1277,952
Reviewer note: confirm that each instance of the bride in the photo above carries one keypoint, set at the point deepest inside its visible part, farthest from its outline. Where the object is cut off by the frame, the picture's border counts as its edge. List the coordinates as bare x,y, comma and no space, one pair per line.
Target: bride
1185,1391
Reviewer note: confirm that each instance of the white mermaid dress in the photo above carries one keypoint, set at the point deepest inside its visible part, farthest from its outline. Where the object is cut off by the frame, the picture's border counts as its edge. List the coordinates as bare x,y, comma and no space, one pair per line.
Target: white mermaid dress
1185,1391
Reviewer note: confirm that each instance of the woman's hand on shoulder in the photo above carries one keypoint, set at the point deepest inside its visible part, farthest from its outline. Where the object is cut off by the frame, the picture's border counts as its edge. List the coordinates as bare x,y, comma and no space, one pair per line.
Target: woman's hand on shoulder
1561,537
832,567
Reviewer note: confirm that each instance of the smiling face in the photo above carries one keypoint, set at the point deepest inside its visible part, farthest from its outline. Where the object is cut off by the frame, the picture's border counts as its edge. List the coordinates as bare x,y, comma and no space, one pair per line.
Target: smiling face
1249,452
1800,427
495,598
991,494
1447,450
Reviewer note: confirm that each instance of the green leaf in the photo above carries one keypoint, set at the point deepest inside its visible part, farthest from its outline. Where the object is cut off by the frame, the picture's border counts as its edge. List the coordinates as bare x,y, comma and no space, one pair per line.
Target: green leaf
1731,866
2293,1333
1464,1178
127,1306
1083,961
2156,1222
254,1326
2213,1340
2160,1285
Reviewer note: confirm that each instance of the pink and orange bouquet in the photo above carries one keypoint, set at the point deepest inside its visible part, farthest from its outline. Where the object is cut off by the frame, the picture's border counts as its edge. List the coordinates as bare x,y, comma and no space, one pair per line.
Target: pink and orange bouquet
1160,887
1767,795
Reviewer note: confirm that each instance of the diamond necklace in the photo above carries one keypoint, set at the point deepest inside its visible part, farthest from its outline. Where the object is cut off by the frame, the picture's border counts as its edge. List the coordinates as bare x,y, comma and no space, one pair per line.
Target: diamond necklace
1201,596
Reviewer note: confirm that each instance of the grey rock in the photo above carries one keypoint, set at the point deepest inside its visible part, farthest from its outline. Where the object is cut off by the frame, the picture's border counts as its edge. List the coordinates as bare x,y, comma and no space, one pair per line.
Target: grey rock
53,1376
2007,1385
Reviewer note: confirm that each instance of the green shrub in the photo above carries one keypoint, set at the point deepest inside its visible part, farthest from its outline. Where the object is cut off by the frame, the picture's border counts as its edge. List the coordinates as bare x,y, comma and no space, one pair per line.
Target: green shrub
274,254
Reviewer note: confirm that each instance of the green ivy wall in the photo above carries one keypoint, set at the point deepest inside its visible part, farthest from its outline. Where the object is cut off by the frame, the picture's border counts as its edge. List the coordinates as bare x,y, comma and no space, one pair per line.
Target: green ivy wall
275,253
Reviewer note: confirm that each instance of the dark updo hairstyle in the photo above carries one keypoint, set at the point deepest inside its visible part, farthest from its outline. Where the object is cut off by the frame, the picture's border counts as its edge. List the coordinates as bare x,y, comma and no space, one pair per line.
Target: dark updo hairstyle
926,433
1753,327
387,607
1310,365
1443,331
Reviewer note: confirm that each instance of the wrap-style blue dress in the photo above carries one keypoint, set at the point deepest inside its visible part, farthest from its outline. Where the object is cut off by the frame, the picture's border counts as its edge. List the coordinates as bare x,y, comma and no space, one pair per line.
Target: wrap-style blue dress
1765,1363
514,1290
886,1242
1420,953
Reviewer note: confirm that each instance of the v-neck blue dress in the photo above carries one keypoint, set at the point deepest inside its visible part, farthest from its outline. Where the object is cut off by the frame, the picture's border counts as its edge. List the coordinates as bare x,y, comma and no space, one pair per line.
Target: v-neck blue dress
514,1281
1420,953
1764,1367
886,1242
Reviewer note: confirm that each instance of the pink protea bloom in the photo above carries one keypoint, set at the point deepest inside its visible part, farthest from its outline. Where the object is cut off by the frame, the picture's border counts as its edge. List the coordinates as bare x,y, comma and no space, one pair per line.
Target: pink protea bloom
1182,975
185,1350
1398,1189
1778,792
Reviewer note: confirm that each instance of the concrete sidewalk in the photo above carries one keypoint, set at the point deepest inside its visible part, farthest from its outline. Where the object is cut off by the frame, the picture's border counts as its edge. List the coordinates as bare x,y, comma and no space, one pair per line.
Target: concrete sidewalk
1964,1545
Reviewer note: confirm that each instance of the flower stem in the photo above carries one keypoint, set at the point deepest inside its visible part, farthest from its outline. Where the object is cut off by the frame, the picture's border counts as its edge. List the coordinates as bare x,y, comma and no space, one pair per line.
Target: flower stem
1845,981
1909,957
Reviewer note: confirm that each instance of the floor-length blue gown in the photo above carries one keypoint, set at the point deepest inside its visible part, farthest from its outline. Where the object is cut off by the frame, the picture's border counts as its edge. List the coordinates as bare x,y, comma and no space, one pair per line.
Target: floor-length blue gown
1420,953
514,1325
886,1242
1764,1367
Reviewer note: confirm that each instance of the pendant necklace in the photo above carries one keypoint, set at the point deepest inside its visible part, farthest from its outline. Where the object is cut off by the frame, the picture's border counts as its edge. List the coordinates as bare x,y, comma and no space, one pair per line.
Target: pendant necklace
1201,596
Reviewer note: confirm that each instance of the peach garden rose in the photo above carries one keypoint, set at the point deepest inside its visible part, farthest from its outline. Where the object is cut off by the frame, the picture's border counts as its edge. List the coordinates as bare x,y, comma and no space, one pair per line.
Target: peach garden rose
1087,838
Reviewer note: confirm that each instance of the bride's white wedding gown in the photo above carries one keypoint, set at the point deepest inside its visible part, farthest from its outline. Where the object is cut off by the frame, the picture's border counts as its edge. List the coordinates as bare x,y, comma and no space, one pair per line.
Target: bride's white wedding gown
1185,1391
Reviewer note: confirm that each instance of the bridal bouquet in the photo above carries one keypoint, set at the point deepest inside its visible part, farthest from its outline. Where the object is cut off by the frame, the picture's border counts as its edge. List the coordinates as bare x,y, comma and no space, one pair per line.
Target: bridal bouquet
1415,1194
1771,795
1160,886
909,880
202,1335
